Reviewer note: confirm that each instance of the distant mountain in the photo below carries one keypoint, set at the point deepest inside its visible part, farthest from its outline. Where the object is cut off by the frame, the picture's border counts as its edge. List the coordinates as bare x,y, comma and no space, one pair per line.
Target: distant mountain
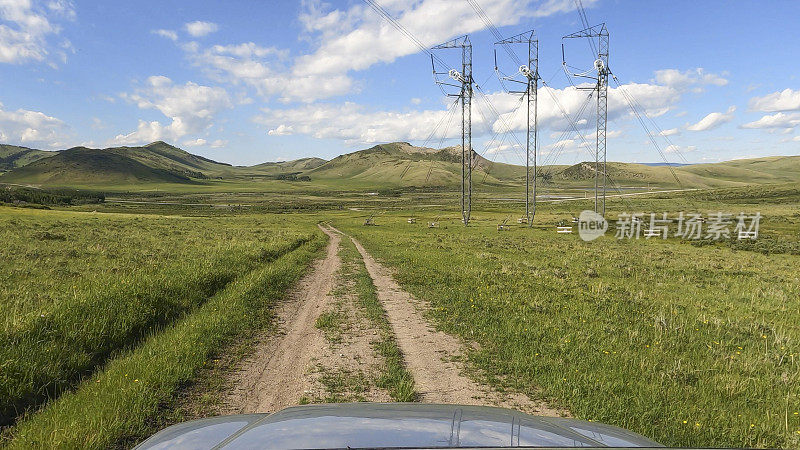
157,162
658,164
12,156
401,164
393,165
297,165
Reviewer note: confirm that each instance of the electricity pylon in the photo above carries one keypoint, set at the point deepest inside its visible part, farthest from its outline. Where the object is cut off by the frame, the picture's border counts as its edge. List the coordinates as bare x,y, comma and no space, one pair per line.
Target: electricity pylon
600,33
465,80
531,74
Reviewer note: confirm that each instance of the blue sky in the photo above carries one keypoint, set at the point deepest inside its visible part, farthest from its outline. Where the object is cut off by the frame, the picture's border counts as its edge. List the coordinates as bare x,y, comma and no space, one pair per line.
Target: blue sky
252,81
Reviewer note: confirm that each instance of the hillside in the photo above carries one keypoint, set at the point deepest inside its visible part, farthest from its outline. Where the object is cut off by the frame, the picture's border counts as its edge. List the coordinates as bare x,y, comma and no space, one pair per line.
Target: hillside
297,165
401,164
639,174
393,165
12,156
157,162
85,166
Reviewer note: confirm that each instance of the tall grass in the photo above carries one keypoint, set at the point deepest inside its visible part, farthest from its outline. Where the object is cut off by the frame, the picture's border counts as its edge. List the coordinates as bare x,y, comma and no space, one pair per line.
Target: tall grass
41,355
119,404
691,346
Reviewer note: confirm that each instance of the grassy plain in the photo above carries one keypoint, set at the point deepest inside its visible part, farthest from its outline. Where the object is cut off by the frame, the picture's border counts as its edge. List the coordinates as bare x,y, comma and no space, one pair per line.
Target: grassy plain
79,290
108,315
120,404
692,344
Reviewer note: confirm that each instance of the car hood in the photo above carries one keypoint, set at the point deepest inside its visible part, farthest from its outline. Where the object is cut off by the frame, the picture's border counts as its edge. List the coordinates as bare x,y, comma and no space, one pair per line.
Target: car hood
397,425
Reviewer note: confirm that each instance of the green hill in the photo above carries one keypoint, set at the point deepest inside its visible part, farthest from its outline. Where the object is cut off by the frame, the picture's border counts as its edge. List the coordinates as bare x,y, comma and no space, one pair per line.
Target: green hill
401,164
12,156
394,165
297,165
85,166
157,162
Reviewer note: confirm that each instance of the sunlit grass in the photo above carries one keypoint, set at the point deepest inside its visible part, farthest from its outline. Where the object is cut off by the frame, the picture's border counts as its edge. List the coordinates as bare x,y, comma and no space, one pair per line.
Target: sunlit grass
689,345
79,287
121,403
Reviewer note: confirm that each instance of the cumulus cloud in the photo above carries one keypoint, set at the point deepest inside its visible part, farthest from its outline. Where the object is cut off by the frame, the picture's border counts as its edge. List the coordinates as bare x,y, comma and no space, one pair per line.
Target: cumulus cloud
713,120
775,121
358,38
359,124
190,106
693,79
199,28
26,27
785,100
351,122
680,149
670,132
199,142
354,39
169,34
30,128
264,69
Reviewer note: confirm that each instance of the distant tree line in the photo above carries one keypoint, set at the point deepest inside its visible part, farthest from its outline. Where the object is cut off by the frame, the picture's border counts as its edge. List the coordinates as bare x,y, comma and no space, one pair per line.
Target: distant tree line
292,177
20,194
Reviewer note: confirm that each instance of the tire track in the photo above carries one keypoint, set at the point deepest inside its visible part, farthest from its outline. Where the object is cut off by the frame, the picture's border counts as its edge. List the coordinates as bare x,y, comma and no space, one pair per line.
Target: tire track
433,357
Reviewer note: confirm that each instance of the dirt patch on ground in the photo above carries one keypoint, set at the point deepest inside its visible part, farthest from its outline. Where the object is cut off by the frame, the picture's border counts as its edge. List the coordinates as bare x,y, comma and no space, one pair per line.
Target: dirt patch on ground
324,351
302,362
276,374
433,356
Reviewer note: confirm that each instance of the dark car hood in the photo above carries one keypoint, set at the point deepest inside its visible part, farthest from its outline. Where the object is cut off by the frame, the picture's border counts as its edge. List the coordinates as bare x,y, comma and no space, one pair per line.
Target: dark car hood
398,425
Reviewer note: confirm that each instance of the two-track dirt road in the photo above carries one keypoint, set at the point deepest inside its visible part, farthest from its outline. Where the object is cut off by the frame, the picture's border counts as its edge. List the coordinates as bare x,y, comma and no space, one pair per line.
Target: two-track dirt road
281,369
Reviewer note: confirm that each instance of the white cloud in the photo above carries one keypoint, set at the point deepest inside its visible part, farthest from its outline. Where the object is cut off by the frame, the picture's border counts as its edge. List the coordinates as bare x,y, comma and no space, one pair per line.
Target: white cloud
353,39
169,34
785,100
262,69
191,107
775,121
352,123
680,149
199,142
281,130
30,128
357,38
26,26
219,143
200,28
63,8
713,120
653,98
690,79
359,124
670,132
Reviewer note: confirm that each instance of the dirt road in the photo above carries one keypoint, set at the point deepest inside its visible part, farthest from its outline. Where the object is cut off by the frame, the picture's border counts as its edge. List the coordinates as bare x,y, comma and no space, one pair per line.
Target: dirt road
277,375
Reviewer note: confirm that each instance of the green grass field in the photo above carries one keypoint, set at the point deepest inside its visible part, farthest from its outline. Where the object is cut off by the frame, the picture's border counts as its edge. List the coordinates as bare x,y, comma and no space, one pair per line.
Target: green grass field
111,310
81,289
692,345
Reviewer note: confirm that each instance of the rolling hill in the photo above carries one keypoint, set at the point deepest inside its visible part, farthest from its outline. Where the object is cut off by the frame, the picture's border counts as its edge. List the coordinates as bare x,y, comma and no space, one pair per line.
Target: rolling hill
297,165
12,156
393,165
401,164
156,162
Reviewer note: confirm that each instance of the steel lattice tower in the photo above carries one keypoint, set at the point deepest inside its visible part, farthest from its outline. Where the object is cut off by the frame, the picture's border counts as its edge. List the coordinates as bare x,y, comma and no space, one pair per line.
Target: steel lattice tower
531,74
600,33
465,94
